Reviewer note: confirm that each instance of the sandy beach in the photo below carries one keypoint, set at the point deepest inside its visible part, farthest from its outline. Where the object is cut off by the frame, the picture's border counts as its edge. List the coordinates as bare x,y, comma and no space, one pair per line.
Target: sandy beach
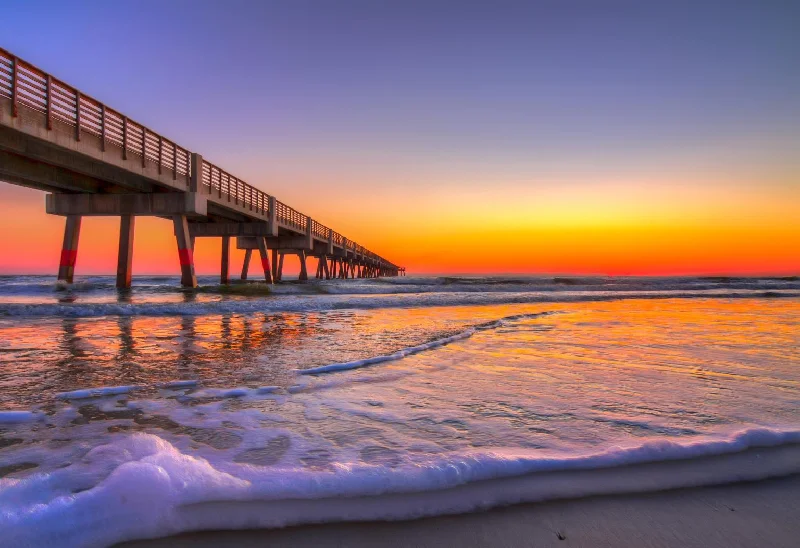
745,514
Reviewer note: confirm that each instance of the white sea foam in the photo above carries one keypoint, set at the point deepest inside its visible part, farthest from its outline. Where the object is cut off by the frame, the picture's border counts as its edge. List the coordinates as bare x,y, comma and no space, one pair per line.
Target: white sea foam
178,384
241,392
99,392
140,486
400,354
12,417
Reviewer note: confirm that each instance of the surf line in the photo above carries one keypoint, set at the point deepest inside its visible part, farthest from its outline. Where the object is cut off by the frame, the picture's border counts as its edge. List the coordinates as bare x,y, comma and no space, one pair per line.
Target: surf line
400,354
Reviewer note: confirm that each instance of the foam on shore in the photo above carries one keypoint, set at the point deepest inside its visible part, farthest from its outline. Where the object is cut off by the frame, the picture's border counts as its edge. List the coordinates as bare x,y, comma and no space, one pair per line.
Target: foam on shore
141,486
99,392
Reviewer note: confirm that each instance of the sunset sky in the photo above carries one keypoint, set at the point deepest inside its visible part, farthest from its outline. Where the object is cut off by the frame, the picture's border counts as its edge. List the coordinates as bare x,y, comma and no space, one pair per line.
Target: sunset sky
585,137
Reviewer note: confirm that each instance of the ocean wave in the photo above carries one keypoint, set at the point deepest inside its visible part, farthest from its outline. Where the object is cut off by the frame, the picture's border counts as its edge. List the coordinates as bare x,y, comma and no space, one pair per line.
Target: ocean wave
141,486
21,287
402,353
321,303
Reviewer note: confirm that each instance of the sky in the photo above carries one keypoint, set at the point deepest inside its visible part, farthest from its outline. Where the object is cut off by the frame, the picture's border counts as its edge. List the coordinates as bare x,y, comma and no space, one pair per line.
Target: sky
569,137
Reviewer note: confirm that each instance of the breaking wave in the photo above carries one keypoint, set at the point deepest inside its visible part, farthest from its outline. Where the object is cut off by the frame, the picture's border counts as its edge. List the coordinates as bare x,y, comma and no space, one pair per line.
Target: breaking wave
141,486
321,303
402,353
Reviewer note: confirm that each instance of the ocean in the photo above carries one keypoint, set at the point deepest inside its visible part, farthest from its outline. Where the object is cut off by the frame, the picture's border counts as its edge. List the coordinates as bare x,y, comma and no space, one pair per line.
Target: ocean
161,410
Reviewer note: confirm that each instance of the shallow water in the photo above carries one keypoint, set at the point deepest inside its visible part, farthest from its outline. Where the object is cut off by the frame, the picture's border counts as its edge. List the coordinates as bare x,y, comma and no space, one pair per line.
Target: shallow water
331,390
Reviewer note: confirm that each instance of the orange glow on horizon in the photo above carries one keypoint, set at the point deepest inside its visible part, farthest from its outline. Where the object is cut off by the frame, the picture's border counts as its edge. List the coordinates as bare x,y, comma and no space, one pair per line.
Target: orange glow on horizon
611,230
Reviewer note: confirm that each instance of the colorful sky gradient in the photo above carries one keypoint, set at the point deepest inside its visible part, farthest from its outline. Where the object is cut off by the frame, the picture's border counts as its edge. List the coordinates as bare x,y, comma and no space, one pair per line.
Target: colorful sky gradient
585,137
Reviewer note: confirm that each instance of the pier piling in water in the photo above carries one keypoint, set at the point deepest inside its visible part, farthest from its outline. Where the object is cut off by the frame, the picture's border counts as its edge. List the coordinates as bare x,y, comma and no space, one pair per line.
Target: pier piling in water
69,249
125,256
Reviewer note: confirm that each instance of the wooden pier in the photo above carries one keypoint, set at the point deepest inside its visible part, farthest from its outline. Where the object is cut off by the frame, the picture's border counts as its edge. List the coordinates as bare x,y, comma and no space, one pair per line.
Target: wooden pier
94,161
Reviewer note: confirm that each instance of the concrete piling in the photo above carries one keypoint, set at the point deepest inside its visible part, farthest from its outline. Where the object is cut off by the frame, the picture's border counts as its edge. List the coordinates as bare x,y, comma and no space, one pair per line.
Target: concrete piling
246,264
262,250
69,249
185,251
125,256
225,261
303,272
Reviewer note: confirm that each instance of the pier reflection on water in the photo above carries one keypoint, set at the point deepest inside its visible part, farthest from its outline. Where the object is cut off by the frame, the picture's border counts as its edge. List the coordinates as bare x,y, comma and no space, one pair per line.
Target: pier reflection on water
42,356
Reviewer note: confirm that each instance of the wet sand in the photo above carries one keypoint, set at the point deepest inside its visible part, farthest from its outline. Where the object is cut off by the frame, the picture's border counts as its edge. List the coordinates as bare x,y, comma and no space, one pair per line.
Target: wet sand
764,513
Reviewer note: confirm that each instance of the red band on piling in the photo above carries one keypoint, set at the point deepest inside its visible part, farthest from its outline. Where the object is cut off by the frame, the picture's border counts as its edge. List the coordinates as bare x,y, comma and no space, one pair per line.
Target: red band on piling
68,257
185,256
265,264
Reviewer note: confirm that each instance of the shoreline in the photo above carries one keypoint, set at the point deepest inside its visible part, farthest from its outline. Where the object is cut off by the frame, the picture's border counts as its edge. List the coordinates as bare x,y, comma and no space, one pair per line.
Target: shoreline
740,515
740,499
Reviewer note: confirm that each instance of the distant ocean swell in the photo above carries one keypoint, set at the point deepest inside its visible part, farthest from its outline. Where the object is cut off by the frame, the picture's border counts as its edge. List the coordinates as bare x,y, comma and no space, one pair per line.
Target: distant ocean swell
141,486
321,302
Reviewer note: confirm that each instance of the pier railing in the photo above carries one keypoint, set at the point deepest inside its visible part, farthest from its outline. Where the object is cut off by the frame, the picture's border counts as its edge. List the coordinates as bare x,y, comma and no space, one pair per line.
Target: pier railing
32,88
223,184
68,108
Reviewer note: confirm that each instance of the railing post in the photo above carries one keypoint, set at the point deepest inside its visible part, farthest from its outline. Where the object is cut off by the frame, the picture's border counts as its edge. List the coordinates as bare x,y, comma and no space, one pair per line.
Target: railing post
196,179
14,86
160,152
272,215
102,127
309,233
124,137
77,115
174,161
144,145
48,102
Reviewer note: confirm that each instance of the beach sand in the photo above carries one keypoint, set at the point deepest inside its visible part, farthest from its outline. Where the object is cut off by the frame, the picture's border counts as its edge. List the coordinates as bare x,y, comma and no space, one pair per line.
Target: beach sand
755,514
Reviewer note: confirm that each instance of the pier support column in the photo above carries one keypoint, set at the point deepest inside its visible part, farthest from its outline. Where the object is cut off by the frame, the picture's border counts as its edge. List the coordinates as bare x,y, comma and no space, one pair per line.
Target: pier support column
185,251
246,264
224,270
303,272
264,252
69,250
326,269
280,267
125,256
275,276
